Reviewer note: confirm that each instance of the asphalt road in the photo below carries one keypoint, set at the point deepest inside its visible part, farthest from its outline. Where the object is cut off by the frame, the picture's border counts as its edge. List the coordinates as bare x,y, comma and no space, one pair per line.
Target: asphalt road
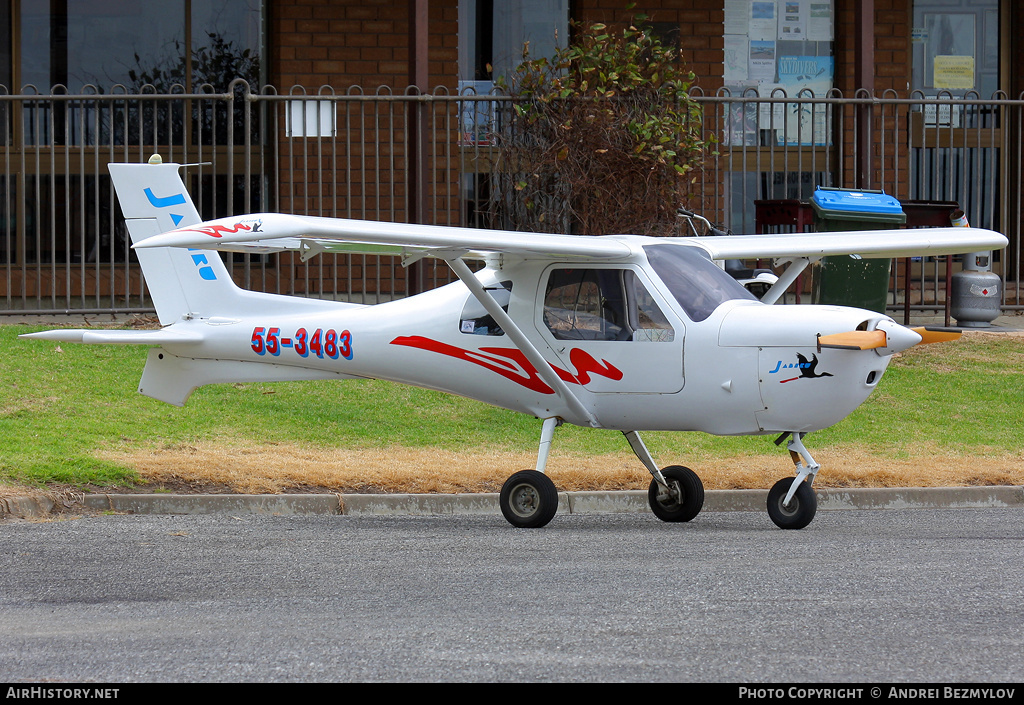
859,596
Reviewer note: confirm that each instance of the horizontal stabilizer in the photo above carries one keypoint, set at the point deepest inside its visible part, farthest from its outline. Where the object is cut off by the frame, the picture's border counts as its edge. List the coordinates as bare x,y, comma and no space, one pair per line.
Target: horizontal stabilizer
118,337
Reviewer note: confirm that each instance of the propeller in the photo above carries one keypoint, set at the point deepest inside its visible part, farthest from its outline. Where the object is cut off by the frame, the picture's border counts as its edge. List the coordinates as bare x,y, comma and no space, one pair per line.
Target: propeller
930,334
888,337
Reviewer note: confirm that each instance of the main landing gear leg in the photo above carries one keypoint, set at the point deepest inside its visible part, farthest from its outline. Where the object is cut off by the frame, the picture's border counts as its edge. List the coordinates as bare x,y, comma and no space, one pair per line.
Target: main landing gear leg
676,493
529,499
792,503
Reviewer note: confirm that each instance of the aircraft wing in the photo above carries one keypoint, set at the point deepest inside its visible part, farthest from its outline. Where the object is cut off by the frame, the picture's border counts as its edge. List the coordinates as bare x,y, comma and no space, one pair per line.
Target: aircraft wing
911,242
271,232
311,235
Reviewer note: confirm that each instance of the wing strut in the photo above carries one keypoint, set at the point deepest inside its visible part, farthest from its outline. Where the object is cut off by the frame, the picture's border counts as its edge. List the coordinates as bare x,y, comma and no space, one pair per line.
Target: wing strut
543,367
796,267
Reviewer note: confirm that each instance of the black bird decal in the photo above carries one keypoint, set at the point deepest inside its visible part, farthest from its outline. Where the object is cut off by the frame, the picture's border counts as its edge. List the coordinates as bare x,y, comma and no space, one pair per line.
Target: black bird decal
807,368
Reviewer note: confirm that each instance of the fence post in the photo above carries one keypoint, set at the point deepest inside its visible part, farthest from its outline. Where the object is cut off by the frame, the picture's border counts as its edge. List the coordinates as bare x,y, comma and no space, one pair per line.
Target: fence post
864,76
418,135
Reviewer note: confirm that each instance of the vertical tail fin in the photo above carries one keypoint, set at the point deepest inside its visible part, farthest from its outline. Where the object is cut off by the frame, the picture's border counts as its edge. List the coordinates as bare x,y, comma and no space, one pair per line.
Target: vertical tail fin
154,200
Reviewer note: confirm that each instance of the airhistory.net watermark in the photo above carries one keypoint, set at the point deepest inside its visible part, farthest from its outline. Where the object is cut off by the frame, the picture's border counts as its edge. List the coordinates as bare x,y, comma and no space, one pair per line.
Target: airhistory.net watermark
62,693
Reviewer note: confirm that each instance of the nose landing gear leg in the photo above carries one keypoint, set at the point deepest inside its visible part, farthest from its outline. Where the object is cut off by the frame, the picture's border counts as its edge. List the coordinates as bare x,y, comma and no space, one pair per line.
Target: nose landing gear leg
792,503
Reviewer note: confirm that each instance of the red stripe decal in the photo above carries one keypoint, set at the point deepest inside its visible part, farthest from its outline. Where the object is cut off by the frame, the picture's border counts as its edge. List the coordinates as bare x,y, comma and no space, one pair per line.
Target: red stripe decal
511,364
216,230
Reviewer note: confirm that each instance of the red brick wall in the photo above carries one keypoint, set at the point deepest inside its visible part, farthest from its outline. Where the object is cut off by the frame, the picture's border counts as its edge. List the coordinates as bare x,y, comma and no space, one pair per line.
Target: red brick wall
343,43
891,76
363,47
334,46
891,46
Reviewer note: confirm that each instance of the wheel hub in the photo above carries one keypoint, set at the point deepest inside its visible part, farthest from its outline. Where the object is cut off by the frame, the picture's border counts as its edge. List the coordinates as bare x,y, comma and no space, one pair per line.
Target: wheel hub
524,500
791,508
670,496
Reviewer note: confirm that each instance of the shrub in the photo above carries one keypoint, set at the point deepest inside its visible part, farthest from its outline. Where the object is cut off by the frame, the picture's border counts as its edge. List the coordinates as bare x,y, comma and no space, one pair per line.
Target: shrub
604,137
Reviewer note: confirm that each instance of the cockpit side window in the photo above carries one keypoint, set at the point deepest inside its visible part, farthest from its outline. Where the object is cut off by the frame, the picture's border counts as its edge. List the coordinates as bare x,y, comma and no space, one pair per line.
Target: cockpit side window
647,321
602,304
476,321
695,281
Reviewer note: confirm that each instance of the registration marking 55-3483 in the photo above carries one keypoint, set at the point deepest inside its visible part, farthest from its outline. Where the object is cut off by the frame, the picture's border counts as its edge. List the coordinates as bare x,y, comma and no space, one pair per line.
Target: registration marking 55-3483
328,343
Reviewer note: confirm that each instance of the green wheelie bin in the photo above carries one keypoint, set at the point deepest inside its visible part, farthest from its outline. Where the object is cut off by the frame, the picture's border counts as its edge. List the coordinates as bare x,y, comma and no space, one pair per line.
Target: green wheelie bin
847,280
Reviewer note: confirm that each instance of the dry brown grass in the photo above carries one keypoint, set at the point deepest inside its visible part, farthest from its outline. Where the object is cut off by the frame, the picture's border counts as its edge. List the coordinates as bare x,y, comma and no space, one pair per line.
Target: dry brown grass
288,468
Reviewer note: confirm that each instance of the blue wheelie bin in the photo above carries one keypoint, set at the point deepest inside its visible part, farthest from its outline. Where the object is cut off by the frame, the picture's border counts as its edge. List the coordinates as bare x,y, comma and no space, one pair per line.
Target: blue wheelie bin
847,280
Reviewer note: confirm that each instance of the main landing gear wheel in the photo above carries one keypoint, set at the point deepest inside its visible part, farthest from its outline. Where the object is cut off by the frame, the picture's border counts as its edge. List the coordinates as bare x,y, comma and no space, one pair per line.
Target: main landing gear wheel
687,497
528,499
801,508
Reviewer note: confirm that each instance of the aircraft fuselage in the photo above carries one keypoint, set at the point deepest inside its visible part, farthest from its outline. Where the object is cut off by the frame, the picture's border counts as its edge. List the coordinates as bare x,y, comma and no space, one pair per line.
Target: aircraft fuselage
746,368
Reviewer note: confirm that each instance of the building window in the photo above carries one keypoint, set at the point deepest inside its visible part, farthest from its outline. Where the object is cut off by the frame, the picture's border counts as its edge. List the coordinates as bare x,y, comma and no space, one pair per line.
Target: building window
94,46
779,48
775,49
492,39
91,73
955,47
492,35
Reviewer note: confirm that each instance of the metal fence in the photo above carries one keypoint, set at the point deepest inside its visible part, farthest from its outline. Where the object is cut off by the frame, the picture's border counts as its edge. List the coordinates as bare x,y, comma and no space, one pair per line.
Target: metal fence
431,158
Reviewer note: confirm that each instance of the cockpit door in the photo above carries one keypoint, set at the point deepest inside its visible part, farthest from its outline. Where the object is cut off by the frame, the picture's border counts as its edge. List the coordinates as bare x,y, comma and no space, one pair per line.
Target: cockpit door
610,330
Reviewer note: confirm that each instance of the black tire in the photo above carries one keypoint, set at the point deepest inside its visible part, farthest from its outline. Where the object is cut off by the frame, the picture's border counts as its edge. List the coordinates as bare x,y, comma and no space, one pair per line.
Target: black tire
528,499
691,495
801,508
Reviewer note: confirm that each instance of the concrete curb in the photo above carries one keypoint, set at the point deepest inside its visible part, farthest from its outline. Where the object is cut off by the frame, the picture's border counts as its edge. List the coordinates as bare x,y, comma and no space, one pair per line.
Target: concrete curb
633,501
26,507
278,504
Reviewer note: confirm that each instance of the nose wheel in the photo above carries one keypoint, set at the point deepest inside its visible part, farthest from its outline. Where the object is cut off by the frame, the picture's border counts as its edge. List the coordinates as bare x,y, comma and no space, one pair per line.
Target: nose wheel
798,511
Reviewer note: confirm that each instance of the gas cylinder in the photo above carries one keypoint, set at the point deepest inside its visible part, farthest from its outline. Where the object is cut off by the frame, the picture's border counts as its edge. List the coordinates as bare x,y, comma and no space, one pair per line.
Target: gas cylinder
976,291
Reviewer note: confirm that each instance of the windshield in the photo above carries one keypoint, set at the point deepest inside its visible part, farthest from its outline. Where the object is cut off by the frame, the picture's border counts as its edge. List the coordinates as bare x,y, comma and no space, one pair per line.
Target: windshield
697,283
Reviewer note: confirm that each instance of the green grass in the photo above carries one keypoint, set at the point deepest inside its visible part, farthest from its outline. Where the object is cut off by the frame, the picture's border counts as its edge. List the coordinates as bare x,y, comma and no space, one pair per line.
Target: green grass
61,405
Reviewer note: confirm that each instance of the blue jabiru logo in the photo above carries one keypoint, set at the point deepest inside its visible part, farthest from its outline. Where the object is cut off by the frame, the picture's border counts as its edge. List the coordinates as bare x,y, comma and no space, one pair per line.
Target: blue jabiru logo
807,368
205,270
199,260
177,199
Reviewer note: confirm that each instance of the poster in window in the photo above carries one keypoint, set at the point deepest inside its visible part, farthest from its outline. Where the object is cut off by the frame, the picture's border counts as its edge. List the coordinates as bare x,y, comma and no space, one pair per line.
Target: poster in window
763,20
792,21
811,77
948,35
819,22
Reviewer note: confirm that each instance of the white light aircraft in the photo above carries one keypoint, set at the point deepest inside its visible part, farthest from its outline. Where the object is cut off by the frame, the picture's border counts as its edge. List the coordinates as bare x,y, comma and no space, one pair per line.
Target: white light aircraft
618,332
